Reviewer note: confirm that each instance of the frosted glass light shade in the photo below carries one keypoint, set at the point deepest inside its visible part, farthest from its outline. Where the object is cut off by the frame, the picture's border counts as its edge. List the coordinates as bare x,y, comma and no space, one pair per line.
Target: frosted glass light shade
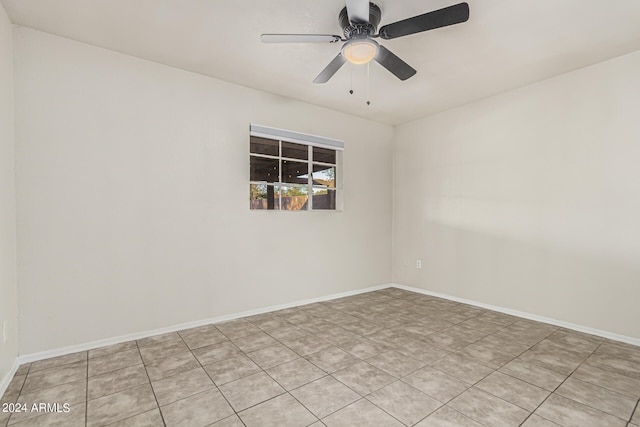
360,51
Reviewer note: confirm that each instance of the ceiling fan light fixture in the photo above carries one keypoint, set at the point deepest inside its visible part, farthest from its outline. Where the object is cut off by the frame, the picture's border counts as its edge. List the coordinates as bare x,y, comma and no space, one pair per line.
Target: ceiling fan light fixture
360,51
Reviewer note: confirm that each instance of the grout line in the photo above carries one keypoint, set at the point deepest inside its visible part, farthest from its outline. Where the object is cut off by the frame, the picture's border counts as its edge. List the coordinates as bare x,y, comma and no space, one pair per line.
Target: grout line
563,381
151,385
214,383
633,412
86,393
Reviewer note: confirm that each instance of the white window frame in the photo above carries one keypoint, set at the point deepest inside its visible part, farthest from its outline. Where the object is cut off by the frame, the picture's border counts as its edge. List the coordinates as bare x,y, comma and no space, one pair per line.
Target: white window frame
310,141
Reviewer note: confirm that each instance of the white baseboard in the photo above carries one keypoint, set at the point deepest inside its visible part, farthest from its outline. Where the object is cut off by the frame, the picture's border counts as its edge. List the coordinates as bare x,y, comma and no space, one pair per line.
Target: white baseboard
529,316
27,358
139,335
4,381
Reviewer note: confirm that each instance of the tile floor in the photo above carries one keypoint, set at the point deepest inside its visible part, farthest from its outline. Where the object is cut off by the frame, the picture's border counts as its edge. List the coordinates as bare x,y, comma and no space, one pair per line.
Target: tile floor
384,358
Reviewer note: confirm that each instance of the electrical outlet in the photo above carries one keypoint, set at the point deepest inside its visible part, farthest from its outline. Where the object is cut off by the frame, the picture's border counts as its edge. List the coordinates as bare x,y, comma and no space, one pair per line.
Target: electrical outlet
418,263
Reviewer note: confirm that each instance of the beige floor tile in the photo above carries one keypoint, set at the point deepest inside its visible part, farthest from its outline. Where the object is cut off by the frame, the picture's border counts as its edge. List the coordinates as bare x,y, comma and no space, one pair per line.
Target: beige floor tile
636,416
511,348
554,357
363,378
114,361
389,337
255,342
569,413
217,352
404,402
610,402
463,368
176,387
362,327
237,328
363,348
231,369
157,339
74,393
395,363
270,323
485,354
171,365
201,336
199,410
619,350
422,351
446,342
447,417
537,421
23,369
488,409
609,380
114,348
146,419
575,340
14,388
272,356
332,359
361,414
251,390
287,332
55,376
498,318
58,361
522,394
281,411
115,381
119,406
340,318
629,368
307,344
232,421
533,374
163,349
296,373
325,396
74,418
436,384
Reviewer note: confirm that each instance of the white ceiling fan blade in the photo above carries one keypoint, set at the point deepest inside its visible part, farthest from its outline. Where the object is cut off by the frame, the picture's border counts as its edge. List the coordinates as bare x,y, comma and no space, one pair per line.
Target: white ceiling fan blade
330,69
299,38
358,11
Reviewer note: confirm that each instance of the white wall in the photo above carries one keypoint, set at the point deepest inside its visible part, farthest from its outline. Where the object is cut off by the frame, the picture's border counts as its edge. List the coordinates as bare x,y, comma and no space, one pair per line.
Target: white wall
8,275
132,182
529,200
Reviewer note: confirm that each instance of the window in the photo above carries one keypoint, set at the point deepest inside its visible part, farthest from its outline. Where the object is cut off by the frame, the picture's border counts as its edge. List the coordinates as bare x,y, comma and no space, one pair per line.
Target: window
293,171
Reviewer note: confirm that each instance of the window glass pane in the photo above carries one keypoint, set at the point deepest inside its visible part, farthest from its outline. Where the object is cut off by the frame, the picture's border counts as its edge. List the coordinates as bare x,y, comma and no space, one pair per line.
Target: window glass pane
324,155
295,172
264,146
263,196
294,198
324,199
295,151
263,169
324,175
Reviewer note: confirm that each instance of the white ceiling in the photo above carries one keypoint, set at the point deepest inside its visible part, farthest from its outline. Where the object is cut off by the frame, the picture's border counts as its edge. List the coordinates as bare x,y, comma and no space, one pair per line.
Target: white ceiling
504,45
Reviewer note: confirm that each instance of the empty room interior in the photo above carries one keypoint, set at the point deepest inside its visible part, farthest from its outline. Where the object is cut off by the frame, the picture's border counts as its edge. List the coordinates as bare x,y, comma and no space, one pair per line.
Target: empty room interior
320,213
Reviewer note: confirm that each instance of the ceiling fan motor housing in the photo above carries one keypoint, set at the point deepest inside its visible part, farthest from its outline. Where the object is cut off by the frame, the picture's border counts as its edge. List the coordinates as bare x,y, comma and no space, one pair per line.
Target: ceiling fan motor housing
360,30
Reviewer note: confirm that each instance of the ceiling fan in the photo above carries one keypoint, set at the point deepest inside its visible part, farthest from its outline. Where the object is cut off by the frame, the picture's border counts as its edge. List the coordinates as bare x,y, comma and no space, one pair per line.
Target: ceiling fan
359,21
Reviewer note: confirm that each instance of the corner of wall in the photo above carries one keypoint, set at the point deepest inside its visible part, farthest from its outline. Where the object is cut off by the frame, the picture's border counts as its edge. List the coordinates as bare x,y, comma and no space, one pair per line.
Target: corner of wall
8,241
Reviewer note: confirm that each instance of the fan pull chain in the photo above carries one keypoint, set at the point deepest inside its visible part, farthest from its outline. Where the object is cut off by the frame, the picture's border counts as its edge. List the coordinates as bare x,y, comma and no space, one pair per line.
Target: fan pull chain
351,74
368,85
